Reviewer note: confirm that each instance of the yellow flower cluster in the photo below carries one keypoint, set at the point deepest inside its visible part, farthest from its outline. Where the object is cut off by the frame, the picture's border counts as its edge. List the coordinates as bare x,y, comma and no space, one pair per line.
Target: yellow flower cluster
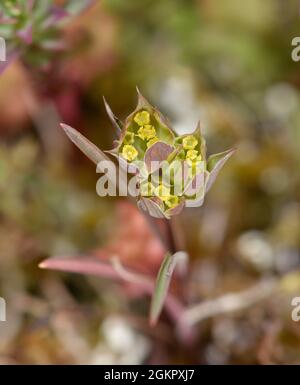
189,153
146,131
192,157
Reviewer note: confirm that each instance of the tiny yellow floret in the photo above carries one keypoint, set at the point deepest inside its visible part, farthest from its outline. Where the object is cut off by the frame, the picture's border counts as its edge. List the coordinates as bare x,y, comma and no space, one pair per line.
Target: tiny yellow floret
146,132
142,118
189,142
129,152
192,154
192,157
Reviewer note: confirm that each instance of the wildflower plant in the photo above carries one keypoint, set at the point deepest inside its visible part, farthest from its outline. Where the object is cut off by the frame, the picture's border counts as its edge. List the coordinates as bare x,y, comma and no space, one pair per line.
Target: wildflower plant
171,172
32,28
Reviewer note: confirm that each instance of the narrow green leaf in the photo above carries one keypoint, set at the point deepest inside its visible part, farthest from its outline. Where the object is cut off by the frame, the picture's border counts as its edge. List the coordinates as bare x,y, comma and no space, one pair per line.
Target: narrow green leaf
162,285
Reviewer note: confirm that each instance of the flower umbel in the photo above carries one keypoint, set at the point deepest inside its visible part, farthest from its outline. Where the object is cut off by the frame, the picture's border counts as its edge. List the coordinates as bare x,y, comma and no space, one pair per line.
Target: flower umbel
182,174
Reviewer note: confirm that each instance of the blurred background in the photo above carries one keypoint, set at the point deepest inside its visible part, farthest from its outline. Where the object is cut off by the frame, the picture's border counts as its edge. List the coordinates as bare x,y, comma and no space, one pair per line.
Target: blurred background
224,63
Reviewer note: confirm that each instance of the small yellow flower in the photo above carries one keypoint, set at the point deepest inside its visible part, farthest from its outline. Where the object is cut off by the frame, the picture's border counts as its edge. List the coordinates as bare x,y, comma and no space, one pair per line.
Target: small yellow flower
146,132
129,152
171,201
189,142
152,141
128,138
192,154
193,158
142,118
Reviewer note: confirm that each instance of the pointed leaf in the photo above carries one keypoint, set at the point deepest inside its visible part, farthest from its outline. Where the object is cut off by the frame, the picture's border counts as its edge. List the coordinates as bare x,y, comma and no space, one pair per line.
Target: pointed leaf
81,265
93,153
162,285
87,147
215,163
142,101
117,123
94,266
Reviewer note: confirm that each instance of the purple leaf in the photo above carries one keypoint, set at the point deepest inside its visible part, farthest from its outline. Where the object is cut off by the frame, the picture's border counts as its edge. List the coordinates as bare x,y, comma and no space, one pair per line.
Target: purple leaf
151,207
157,153
83,265
94,266
87,147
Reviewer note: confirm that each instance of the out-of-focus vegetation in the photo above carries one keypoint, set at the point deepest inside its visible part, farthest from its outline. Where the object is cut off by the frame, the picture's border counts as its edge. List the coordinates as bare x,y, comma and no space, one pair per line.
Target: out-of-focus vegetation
229,65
